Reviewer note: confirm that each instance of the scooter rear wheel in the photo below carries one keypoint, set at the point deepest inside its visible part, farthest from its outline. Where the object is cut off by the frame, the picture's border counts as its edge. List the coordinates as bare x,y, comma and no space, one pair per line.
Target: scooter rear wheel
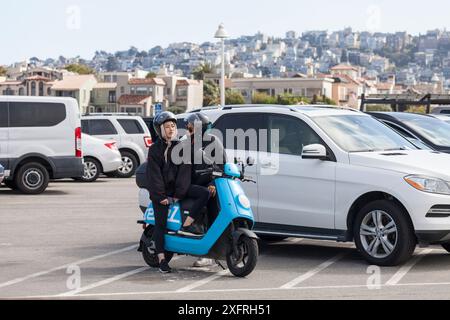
243,262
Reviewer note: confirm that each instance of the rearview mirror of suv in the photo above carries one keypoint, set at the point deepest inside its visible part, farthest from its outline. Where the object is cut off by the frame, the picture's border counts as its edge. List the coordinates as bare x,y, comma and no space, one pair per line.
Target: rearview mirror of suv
314,151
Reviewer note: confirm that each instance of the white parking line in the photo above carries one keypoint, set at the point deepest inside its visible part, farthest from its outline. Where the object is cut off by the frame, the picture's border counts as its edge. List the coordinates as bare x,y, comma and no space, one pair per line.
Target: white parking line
171,293
204,281
396,278
38,274
107,281
313,272
104,282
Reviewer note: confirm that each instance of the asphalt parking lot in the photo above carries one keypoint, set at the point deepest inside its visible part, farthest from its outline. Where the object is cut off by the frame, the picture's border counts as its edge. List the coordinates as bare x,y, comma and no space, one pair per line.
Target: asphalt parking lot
79,241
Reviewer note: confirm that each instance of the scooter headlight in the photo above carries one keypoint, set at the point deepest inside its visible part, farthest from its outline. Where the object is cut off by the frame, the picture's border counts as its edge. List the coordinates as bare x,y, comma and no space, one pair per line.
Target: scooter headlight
244,201
427,184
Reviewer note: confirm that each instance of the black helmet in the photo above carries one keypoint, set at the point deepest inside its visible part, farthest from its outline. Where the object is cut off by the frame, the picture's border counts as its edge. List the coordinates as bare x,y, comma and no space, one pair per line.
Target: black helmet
162,119
199,117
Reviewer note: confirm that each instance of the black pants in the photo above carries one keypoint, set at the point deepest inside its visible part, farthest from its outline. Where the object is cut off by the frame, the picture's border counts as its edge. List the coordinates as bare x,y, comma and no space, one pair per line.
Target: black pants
161,214
200,196
213,210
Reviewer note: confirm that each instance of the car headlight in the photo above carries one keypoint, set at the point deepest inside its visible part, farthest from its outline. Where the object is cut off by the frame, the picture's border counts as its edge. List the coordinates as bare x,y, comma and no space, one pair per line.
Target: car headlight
427,184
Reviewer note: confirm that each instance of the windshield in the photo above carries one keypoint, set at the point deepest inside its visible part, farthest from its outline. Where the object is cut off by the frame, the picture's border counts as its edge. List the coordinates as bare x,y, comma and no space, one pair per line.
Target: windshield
435,130
359,133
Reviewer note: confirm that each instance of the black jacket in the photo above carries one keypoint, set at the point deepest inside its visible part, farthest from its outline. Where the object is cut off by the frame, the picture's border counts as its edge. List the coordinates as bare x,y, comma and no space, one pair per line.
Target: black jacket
165,179
214,144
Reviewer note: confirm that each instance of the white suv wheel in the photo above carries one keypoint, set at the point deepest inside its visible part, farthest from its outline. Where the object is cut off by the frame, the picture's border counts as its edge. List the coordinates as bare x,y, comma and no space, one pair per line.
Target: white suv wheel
379,234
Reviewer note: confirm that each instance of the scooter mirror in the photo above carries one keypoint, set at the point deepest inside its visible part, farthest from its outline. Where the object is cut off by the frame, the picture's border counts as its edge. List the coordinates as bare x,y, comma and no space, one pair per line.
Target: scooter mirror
250,161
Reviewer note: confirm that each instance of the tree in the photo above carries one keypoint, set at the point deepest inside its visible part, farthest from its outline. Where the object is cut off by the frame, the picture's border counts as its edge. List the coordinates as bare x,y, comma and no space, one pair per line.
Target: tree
151,75
234,98
112,64
2,71
79,68
289,99
263,98
211,95
200,71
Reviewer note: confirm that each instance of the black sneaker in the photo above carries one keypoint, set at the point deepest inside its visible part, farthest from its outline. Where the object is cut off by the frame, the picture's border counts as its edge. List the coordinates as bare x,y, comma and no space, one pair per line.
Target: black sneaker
193,230
164,267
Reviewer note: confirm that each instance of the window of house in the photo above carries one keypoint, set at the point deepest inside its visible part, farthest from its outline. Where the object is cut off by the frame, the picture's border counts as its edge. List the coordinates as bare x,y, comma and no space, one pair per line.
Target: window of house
41,89
33,88
182,92
112,97
142,90
33,114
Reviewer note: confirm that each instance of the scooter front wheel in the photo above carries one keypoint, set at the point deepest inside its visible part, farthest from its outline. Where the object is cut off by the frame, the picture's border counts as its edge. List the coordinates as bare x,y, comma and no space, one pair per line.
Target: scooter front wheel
149,252
242,262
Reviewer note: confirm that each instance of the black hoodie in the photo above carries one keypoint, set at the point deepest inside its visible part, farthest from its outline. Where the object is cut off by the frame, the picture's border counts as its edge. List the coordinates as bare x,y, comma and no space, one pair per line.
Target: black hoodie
165,179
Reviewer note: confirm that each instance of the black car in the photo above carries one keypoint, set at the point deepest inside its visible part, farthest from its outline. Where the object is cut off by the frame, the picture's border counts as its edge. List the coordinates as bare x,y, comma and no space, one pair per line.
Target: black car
424,131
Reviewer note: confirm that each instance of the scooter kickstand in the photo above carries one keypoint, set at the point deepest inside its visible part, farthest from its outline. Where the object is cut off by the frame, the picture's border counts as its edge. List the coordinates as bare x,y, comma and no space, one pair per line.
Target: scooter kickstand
220,265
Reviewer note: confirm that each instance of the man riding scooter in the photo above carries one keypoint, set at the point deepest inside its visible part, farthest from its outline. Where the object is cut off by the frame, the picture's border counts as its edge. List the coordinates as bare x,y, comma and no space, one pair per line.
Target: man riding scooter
201,140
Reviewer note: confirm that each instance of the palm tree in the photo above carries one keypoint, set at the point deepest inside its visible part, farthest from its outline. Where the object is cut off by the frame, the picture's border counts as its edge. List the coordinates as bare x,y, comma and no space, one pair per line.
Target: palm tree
205,68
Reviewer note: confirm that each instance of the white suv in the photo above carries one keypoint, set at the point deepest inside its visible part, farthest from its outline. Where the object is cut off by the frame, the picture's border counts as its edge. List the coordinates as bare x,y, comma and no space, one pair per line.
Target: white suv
341,175
129,132
40,139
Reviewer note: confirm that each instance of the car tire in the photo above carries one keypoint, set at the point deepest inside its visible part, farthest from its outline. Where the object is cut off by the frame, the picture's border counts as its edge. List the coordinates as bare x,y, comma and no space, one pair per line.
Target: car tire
129,165
10,184
384,234
92,170
32,178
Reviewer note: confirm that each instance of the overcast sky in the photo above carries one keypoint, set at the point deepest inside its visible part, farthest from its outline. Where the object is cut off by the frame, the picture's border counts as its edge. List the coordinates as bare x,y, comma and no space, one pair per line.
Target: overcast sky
49,28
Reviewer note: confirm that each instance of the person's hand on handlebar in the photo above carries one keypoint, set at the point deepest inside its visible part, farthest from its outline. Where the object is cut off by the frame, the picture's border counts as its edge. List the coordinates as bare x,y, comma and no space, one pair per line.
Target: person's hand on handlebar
212,191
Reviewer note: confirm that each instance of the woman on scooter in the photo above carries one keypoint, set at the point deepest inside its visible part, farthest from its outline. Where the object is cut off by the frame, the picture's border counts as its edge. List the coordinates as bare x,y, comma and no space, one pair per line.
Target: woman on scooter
167,182
199,124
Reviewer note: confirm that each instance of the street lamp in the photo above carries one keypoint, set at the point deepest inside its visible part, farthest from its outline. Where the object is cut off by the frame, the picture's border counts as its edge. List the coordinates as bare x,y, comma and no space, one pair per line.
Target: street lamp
222,35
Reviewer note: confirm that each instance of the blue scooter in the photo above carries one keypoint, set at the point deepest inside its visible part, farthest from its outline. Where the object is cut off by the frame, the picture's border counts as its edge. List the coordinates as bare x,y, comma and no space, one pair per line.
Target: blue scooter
229,238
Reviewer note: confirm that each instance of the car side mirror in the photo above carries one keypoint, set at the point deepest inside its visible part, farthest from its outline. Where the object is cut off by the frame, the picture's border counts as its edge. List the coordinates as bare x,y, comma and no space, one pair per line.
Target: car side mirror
314,152
250,161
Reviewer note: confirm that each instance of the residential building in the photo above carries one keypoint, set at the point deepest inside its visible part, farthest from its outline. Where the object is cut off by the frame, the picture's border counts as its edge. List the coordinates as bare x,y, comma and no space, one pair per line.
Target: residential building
347,69
78,87
104,98
136,104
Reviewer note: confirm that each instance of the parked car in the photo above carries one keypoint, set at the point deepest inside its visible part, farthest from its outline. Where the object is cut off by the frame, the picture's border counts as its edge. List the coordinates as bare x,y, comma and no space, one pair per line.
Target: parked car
444,110
432,132
129,132
2,173
40,139
99,156
340,175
